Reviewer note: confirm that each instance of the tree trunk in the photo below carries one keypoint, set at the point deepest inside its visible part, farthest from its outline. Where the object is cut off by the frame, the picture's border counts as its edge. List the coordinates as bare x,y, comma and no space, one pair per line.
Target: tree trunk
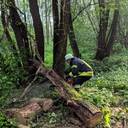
46,22
88,114
56,32
112,32
72,38
4,20
39,34
105,41
20,32
60,35
103,26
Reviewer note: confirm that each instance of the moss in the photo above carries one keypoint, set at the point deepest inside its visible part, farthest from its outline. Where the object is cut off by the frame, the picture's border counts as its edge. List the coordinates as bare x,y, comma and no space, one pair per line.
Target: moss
72,92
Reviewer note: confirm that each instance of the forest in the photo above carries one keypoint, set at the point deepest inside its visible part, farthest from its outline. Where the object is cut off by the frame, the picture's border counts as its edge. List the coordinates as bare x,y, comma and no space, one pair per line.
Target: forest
39,39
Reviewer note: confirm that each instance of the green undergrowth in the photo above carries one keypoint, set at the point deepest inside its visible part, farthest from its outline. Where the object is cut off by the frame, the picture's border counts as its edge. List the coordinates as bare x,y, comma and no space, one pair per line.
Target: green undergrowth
48,54
6,123
110,83
10,72
108,87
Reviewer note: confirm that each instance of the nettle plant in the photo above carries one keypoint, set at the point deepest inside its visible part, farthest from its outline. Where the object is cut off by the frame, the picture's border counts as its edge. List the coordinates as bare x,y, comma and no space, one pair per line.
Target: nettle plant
99,97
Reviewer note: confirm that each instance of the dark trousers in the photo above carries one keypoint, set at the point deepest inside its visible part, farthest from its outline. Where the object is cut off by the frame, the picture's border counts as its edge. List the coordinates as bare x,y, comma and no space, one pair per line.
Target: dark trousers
81,79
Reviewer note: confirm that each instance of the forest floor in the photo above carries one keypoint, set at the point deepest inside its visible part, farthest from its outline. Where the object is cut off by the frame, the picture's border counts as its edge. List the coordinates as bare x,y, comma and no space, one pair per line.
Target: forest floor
108,90
59,116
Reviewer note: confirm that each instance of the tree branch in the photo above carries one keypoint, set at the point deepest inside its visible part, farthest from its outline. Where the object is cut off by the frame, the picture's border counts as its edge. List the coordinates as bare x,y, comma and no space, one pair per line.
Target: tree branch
83,8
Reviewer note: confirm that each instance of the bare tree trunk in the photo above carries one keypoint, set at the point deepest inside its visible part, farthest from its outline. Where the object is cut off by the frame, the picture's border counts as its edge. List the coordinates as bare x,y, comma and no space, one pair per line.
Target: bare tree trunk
20,33
4,20
103,26
60,35
105,41
56,31
112,32
39,34
72,38
46,22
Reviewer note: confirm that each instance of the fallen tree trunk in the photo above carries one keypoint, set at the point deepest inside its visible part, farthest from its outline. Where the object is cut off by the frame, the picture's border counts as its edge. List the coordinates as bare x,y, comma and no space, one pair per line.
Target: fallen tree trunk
89,114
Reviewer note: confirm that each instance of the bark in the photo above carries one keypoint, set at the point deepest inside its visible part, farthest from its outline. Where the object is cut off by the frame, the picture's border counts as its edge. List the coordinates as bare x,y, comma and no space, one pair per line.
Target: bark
46,22
60,35
5,24
72,37
39,34
4,20
20,32
56,31
125,41
105,41
104,17
113,33
89,114
122,34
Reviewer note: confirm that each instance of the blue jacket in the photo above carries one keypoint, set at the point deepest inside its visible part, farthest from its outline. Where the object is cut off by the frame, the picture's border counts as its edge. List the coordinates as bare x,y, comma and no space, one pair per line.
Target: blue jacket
78,67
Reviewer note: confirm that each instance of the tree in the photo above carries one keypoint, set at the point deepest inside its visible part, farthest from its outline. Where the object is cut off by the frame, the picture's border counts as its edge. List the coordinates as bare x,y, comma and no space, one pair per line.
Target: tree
106,40
72,37
39,34
20,32
60,19
4,20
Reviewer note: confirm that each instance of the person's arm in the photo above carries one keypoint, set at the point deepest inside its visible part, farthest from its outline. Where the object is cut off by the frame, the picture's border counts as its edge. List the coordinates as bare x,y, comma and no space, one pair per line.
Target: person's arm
67,70
75,70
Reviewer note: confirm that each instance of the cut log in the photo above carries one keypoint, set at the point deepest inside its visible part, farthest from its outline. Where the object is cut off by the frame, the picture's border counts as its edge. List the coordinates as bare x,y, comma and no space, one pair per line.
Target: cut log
89,114
74,121
45,103
23,126
25,114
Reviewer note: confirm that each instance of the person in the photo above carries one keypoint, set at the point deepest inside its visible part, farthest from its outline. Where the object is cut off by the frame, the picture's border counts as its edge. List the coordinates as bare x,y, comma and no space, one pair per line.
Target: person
78,71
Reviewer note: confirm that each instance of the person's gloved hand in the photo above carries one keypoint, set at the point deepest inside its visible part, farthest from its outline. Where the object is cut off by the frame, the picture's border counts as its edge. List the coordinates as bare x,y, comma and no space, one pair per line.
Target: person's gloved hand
70,81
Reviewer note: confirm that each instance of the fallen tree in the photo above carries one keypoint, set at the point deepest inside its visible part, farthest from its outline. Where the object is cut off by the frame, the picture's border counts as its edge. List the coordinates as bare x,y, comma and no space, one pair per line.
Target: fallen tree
88,114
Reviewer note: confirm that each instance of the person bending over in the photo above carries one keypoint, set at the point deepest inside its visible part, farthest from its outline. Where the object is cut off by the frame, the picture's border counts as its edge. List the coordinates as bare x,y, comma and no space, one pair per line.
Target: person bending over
78,71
